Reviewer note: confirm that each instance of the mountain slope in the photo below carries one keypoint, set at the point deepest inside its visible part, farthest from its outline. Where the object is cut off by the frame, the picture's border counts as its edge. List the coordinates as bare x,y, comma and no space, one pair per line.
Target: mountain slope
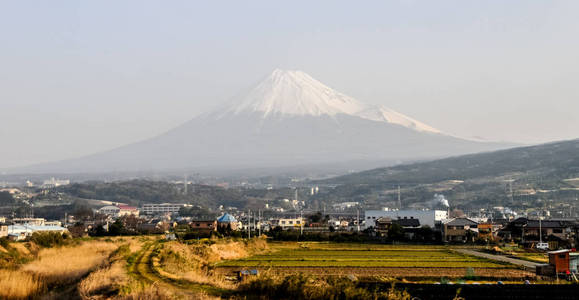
287,119
552,161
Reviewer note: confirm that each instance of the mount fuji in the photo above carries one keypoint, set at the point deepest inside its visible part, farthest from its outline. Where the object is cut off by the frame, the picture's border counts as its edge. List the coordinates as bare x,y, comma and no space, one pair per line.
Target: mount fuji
287,119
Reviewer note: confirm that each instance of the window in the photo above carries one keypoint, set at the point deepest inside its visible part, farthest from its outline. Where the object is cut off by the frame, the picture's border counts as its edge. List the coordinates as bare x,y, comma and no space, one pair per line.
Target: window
283,222
291,222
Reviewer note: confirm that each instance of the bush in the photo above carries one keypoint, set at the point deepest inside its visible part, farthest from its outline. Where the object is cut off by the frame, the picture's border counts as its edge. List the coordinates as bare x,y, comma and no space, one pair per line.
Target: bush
48,239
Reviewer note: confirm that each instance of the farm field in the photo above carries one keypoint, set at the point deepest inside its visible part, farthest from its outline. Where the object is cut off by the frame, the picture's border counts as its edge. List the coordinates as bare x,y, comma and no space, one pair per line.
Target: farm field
371,260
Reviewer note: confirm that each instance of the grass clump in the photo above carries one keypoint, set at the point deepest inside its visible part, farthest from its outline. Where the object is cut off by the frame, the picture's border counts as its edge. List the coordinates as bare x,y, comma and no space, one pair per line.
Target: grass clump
309,288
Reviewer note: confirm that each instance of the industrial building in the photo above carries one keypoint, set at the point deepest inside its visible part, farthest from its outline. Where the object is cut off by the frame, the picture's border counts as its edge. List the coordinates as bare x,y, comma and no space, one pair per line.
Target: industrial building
425,217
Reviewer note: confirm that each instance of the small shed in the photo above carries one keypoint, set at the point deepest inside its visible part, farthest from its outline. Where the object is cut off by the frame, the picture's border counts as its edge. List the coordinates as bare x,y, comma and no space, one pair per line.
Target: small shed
560,260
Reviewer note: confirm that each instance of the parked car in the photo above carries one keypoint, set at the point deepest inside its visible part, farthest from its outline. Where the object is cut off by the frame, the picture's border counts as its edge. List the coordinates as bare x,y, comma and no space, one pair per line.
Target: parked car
542,246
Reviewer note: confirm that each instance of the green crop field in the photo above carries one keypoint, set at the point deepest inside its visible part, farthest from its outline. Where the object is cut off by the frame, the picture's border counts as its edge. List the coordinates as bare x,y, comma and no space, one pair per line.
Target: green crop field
359,255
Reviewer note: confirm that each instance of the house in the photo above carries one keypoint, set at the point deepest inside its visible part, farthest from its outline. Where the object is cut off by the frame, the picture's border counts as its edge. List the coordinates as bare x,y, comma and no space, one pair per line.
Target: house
289,223
153,226
126,210
228,220
557,232
382,226
203,225
486,231
409,225
460,230
3,230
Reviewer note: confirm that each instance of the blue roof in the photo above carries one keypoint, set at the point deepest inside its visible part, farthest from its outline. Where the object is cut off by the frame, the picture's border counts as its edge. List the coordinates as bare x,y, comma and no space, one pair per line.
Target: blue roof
226,218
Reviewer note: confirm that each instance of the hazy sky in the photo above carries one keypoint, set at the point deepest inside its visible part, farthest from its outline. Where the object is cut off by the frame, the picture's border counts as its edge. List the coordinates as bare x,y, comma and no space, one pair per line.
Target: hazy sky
78,77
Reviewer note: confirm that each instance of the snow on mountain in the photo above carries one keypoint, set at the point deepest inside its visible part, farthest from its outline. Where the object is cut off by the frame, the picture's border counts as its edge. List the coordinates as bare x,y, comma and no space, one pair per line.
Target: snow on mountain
384,114
295,93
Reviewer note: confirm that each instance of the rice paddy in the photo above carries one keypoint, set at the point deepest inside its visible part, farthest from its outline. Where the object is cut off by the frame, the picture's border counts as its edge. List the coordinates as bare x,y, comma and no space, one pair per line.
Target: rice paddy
328,259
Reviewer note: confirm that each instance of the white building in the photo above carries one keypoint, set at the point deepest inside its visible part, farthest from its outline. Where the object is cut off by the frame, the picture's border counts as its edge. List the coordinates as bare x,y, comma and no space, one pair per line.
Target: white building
29,221
425,217
52,182
289,223
119,211
109,210
163,208
21,232
345,205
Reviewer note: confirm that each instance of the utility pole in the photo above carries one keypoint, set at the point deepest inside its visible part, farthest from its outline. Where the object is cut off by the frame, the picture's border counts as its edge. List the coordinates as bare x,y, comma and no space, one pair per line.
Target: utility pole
399,201
301,224
358,218
249,223
540,231
259,221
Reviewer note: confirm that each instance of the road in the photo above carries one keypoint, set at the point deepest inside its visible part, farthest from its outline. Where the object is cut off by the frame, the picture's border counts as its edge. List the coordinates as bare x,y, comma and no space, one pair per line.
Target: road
527,264
144,270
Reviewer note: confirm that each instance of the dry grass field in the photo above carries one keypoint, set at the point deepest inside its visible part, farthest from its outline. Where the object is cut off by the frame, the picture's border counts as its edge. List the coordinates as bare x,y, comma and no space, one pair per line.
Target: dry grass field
150,268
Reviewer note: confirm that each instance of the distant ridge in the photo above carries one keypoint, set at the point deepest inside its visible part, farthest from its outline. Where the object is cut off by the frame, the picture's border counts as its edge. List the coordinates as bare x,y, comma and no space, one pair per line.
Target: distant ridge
552,161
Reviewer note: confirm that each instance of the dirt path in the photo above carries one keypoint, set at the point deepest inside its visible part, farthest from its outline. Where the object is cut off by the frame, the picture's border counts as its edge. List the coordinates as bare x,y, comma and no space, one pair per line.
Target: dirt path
527,264
144,271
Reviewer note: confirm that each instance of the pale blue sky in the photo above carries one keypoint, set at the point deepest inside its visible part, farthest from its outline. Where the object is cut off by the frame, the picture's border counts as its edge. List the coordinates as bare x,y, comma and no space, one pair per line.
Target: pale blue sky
78,77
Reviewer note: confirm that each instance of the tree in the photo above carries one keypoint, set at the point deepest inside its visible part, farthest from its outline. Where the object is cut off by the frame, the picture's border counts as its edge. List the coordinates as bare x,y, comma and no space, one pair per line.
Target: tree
395,232
315,218
6,199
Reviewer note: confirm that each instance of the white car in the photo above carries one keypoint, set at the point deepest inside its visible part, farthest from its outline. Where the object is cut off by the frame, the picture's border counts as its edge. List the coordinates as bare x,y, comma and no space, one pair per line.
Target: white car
543,246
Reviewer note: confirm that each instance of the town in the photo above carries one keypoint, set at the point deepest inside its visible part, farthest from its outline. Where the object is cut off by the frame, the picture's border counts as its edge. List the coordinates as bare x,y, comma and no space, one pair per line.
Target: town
494,228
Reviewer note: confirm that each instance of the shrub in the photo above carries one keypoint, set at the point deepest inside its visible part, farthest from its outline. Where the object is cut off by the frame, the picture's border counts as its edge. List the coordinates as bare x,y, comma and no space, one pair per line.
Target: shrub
48,239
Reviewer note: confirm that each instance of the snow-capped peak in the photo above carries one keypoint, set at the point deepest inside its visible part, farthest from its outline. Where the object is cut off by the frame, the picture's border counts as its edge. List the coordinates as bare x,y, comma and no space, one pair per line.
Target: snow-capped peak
295,93
286,92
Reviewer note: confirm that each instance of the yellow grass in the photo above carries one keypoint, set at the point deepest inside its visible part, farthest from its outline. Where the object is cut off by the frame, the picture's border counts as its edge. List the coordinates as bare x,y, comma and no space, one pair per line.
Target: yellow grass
15,284
67,264
102,281
191,262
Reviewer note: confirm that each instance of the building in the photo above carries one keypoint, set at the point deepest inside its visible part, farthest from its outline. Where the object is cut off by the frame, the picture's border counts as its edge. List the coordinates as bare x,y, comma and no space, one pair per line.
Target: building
560,260
289,223
3,230
162,208
460,230
559,233
228,220
345,205
203,225
109,210
425,217
29,221
126,210
21,232
382,226
53,183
